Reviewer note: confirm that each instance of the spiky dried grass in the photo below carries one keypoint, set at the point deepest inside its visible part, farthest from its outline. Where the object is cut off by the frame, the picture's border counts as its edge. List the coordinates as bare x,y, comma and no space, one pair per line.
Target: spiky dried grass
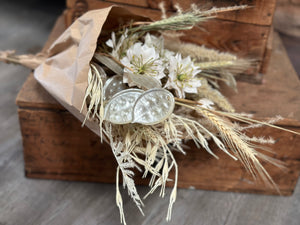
183,20
206,91
199,53
94,96
241,149
149,148
136,145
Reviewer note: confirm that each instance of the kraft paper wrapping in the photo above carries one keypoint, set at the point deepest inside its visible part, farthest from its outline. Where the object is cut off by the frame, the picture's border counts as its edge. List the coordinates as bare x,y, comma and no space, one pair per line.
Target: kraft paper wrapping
64,73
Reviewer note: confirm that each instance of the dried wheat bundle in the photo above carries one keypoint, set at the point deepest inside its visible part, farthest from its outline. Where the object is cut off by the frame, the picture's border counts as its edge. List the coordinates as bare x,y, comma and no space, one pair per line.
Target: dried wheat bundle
141,129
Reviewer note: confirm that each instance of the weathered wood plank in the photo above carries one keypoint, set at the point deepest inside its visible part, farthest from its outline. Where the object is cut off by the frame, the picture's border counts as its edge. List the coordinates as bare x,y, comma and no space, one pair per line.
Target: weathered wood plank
284,99
261,12
53,150
29,201
57,156
243,39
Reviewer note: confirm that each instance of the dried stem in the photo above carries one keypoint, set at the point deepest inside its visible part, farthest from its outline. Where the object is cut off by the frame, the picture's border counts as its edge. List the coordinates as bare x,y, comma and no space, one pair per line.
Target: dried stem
29,61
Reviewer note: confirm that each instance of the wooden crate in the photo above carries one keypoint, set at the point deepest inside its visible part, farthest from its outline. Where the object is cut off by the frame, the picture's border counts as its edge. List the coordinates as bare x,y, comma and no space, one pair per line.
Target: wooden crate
245,32
57,147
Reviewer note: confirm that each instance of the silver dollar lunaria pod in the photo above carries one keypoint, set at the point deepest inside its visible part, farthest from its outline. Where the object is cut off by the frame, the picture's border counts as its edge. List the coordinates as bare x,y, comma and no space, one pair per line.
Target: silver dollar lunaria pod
113,85
153,106
136,106
119,108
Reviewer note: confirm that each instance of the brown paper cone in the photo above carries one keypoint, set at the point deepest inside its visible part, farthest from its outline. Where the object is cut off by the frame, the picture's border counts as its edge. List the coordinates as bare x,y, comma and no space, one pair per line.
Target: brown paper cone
64,74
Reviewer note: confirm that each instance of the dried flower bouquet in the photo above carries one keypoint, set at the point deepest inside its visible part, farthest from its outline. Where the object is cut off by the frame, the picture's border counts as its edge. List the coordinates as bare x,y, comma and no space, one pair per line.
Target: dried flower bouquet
133,82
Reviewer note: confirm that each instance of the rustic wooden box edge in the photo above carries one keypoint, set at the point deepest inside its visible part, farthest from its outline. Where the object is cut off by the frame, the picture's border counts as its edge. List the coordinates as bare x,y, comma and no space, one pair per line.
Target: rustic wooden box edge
254,44
60,159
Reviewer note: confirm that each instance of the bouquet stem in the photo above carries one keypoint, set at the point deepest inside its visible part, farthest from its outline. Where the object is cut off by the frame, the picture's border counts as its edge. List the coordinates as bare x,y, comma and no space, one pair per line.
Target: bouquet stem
29,61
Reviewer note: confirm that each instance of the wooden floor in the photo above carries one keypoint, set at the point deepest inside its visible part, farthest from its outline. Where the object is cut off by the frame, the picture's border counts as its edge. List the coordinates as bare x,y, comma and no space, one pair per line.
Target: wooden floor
25,25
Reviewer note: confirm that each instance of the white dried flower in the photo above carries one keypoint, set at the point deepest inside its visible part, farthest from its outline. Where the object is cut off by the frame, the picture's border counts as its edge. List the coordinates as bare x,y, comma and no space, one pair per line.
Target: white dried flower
120,46
182,76
158,44
116,46
142,60
153,41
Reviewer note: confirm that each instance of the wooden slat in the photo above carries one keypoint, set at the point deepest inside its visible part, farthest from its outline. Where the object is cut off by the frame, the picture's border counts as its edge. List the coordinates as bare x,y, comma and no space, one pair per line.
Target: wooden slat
33,95
56,147
268,52
30,201
244,39
261,13
53,150
282,84
244,32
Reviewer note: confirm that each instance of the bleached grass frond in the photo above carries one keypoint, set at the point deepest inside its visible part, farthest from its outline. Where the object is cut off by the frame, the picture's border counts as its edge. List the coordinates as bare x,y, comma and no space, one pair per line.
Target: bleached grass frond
260,140
178,8
218,67
119,200
227,70
162,8
206,91
134,144
199,53
216,10
238,143
125,164
249,120
257,125
184,20
94,96
174,190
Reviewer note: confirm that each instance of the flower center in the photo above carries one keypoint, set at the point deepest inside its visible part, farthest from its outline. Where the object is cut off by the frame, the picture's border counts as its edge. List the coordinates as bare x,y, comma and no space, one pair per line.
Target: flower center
182,77
142,69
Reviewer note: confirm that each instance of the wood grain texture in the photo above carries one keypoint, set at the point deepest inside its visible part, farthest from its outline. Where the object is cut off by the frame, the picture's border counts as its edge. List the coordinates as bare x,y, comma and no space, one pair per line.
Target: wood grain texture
261,12
246,39
267,53
56,147
26,201
281,80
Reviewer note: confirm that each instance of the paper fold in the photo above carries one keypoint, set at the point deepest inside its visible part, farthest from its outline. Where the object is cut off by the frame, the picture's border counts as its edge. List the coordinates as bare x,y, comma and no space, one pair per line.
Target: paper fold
64,73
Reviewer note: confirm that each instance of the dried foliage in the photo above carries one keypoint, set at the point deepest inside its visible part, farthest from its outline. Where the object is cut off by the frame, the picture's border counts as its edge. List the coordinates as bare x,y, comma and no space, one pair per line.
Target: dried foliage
149,148
186,70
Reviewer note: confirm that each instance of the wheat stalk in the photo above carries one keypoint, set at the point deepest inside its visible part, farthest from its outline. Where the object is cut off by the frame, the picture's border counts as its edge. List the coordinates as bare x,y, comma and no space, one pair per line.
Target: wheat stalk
206,91
184,20
245,153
